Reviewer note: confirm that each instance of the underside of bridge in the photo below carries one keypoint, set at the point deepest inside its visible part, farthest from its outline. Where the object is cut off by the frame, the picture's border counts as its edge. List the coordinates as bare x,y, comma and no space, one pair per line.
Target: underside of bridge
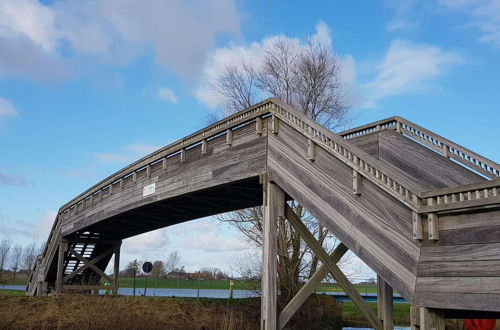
422,211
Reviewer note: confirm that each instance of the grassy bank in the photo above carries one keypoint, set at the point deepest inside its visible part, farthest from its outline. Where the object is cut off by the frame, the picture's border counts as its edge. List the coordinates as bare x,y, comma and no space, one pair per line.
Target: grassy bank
120,312
352,315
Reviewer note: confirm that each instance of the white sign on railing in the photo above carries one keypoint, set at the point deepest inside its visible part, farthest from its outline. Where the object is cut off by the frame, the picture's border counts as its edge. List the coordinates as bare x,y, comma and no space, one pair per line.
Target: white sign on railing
149,190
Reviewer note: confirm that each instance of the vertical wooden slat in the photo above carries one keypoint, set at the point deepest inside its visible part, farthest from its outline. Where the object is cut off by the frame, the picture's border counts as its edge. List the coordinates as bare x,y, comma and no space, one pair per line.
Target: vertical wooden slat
417,225
356,182
204,147
311,152
258,125
229,137
183,155
274,124
387,306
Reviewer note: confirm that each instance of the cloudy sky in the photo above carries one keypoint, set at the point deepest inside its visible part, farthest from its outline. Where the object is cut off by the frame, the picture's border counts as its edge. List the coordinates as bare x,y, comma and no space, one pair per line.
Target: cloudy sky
87,87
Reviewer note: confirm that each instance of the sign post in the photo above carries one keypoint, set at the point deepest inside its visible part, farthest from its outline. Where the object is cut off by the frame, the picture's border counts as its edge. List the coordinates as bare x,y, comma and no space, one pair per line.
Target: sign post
147,267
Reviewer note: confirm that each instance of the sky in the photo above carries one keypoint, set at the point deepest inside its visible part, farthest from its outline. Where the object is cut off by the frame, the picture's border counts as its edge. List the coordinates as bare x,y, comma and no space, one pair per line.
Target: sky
87,87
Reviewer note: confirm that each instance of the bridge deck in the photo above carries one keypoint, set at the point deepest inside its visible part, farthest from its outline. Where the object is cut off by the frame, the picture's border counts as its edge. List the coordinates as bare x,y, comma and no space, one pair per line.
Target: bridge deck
420,210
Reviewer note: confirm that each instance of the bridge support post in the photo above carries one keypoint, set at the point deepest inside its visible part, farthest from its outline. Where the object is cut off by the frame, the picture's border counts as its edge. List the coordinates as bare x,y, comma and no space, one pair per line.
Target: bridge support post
424,318
385,303
116,268
60,266
274,207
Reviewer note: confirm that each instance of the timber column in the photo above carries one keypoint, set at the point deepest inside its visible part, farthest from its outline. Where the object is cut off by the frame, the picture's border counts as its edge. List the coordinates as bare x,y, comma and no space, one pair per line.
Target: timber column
274,207
63,245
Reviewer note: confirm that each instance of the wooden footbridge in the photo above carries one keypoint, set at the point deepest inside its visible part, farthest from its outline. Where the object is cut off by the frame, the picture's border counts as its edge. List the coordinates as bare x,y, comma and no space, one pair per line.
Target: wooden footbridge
422,211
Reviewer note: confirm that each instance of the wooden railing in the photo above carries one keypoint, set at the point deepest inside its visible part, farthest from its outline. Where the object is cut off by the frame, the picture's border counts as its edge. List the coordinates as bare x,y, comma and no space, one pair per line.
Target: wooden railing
445,147
466,196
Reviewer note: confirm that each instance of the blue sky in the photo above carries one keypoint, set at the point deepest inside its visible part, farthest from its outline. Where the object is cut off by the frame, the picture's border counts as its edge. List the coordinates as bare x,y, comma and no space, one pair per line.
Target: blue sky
87,87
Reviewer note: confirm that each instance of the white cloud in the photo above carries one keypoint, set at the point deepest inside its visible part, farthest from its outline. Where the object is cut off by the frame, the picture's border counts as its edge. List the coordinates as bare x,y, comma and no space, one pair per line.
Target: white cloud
404,16
485,16
167,94
252,53
7,109
408,68
127,153
178,33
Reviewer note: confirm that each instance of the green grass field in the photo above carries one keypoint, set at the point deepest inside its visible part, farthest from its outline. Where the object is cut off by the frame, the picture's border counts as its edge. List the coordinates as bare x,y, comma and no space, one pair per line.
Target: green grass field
352,315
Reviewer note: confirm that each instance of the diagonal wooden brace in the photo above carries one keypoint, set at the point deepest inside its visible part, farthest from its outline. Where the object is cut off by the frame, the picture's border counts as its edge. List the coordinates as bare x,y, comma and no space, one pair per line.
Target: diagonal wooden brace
337,274
309,287
90,264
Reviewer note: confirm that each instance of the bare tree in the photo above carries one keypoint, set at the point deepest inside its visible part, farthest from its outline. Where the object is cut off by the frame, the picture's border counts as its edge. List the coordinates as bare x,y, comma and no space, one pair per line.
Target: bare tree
4,255
172,262
16,259
306,76
158,269
29,256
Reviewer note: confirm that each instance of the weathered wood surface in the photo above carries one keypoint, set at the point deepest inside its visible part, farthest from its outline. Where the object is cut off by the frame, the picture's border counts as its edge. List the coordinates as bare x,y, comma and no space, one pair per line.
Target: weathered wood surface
245,158
424,165
373,225
274,207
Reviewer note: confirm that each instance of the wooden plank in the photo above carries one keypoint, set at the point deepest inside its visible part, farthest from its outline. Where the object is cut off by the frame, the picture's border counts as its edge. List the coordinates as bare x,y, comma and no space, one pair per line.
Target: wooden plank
477,252
339,276
459,284
309,287
273,208
455,300
462,268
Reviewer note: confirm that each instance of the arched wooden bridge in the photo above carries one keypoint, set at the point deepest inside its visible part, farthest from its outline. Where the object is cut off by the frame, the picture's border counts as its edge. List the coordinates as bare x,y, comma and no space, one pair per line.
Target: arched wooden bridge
422,211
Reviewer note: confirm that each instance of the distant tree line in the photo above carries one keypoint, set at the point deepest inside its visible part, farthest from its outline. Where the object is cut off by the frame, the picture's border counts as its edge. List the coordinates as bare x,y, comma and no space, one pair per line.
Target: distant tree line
172,268
17,259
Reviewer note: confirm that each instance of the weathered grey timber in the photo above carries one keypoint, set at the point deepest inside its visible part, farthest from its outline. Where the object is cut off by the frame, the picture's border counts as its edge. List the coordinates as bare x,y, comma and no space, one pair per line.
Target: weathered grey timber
422,211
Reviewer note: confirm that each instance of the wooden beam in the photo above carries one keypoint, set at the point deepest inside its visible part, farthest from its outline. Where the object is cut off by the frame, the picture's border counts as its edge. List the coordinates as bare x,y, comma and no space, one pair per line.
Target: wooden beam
274,124
90,265
337,274
87,265
116,268
309,287
431,319
380,297
274,207
63,245
387,304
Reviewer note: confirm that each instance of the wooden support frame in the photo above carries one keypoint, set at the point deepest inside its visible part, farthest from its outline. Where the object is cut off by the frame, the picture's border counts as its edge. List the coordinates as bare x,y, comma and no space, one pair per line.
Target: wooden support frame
356,182
309,287
229,137
274,207
431,319
417,226
337,274
204,147
258,125
88,264
311,150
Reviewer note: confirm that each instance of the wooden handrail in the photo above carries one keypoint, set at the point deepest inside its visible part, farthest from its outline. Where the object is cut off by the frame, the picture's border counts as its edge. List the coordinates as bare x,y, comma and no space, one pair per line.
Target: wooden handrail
439,144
